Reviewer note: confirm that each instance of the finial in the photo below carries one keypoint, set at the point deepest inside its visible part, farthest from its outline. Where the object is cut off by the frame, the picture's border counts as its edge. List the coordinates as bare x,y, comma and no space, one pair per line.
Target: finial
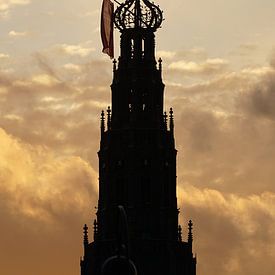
108,118
95,229
180,233
190,233
102,124
85,235
160,64
171,120
114,65
165,120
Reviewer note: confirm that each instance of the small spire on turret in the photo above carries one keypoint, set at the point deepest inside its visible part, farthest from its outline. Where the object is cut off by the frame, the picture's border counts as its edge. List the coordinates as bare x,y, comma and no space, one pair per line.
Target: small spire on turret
114,65
180,233
171,120
160,64
165,120
190,233
102,122
85,235
109,118
95,229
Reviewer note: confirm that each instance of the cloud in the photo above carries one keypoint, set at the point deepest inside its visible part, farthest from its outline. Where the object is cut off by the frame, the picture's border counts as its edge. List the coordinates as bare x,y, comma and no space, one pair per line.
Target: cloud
210,66
4,56
17,34
260,99
45,79
38,184
192,54
44,64
227,150
166,54
6,5
249,46
242,230
72,67
74,50
246,49
44,200
52,107
86,14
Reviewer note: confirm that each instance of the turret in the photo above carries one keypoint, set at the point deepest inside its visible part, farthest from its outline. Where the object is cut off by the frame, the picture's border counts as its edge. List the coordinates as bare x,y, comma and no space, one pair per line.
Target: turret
85,236
190,234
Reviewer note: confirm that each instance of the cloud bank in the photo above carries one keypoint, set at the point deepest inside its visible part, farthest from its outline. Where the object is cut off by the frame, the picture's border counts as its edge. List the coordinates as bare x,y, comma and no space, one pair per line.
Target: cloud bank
7,5
49,137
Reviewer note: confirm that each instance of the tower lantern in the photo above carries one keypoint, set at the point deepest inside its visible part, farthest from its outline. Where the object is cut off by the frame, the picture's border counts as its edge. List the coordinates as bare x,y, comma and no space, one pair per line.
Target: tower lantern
137,214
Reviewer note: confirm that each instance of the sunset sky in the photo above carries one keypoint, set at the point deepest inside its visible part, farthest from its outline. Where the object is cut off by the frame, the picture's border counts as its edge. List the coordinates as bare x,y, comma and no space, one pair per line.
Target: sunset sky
219,70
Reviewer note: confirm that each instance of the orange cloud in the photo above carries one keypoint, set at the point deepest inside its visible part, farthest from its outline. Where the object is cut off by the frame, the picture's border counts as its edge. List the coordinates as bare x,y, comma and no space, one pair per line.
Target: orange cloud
40,185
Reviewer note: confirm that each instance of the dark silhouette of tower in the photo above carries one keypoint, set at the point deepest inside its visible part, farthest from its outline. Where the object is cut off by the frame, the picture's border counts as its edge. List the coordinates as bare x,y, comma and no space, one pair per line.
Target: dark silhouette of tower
137,230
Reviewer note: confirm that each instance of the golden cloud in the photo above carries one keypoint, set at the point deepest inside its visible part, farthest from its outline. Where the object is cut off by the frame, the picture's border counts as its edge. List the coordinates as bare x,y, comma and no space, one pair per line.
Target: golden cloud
6,5
242,228
74,50
17,34
210,66
40,185
3,55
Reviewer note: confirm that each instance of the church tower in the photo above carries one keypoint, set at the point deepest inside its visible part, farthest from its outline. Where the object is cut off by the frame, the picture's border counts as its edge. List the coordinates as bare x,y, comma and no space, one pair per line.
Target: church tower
137,229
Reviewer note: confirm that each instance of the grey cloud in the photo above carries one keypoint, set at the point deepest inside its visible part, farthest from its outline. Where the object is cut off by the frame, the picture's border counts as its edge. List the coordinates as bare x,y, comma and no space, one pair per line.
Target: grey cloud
260,99
241,230
44,65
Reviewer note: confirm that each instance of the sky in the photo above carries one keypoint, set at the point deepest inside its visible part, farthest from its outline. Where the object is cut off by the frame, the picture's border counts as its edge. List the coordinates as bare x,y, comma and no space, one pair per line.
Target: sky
219,70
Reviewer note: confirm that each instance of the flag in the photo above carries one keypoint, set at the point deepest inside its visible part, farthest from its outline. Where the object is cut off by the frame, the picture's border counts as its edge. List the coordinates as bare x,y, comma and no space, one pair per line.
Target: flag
107,27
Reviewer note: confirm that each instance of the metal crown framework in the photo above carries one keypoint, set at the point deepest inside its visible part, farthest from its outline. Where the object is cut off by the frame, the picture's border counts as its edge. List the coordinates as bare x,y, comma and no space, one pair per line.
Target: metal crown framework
138,14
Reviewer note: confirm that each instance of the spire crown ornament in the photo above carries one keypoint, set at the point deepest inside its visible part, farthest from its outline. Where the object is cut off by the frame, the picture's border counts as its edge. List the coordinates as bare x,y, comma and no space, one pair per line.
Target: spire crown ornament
138,14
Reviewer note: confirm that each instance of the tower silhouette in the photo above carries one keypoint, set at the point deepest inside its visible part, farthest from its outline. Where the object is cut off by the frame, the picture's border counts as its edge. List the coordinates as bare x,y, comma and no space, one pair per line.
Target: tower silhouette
137,229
